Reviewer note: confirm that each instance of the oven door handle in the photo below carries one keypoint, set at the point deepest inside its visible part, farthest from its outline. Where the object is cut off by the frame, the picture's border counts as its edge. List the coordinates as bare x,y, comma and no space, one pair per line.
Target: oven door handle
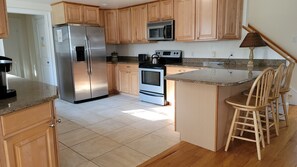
150,94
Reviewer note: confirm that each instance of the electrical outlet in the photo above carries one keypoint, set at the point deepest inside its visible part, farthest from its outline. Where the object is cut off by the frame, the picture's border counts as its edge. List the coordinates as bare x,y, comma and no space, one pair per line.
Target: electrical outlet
214,54
193,54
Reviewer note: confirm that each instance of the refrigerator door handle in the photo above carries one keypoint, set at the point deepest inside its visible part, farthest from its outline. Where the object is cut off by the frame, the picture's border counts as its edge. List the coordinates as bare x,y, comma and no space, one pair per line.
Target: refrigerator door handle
90,55
87,54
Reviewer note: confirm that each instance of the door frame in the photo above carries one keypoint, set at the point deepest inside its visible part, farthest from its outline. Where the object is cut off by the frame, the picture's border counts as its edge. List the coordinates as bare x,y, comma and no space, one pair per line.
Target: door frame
48,30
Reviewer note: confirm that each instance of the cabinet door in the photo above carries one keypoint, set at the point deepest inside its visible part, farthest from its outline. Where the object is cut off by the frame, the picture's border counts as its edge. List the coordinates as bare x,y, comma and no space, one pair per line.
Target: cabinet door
124,81
230,19
101,18
91,15
111,78
166,10
74,13
3,20
134,82
111,26
125,28
206,19
184,14
33,147
139,24
153,11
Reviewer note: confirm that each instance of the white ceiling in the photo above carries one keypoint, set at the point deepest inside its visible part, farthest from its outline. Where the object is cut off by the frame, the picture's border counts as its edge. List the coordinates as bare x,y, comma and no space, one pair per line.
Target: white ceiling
108,4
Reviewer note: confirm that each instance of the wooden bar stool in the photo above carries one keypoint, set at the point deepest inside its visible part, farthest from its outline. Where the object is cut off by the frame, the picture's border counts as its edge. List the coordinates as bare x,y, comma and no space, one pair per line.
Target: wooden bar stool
273,101
243,104
285,89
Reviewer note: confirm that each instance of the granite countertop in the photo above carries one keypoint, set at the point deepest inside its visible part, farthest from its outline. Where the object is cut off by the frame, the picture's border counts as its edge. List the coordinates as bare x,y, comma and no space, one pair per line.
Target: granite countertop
219,77
29,93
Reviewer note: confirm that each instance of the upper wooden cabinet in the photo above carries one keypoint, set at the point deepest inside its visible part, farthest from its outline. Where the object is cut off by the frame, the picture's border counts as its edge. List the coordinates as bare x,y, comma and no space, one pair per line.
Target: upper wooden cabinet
111,26
91,15
162,10
3,20
184,15
153,11
206,19
64,12
101,18
230,19
166,9
125,22
139,24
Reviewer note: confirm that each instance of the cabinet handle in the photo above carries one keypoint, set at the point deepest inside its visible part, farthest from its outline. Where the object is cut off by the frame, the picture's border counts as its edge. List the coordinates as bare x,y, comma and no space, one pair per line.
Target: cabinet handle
128,66
52,125
59,121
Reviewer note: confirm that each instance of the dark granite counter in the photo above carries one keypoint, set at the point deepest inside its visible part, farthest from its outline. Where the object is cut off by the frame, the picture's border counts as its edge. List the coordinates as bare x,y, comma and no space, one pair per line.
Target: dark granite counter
122,59
29,93
212,76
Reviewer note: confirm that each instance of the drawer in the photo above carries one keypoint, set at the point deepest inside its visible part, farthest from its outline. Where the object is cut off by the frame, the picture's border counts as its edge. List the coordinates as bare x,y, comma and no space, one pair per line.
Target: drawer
128,67
175,70
25,118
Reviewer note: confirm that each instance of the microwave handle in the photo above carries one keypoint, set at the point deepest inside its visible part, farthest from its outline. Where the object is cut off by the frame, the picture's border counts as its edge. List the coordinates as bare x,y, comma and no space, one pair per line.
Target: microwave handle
164,32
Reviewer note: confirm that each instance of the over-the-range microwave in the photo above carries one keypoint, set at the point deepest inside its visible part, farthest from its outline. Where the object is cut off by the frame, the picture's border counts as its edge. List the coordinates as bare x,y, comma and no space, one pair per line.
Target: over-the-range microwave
161,31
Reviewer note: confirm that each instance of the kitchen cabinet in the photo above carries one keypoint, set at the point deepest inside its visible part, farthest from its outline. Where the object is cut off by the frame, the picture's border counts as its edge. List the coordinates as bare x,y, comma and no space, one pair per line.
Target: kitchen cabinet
65,12
3,20
111,26
166,9
91,15
230,19
101,18
161,10
170,85
127,75
184,15
29,137
206,19
111,78
139,24
125,22
153,11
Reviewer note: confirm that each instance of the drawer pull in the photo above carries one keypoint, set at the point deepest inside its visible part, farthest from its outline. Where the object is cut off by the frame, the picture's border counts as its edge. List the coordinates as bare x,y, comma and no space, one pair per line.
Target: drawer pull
52,125
58,121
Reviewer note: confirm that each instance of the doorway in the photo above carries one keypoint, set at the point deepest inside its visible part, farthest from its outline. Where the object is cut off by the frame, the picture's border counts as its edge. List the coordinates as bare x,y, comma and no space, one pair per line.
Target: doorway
29,46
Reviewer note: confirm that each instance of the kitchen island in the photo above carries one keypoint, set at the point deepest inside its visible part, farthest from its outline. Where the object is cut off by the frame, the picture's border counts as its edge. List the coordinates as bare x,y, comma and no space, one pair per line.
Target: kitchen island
27,125
202,117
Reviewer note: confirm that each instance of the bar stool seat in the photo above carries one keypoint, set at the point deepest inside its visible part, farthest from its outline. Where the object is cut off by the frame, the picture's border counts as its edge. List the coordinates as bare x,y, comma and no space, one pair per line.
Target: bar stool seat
244,105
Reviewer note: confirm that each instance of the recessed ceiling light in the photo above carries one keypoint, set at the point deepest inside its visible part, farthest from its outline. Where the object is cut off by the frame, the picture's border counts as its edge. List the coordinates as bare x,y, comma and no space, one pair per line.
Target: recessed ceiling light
104,4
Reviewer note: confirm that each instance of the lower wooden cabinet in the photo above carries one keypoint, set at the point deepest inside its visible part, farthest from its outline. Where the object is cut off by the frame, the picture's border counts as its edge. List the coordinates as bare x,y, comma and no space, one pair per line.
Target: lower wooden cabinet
111,78
127,75
170,85
3,20
28,137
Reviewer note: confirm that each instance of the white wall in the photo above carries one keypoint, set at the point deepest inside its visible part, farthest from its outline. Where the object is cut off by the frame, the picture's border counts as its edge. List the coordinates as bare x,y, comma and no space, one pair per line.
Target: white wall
277,20
214,49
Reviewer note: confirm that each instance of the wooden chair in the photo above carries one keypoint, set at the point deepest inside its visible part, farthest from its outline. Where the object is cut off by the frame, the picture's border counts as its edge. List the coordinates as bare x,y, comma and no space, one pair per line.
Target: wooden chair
285,89
273,101
244,104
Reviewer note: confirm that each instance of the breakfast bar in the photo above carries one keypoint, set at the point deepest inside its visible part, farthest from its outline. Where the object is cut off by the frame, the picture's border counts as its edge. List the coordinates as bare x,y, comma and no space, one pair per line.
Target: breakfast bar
204,119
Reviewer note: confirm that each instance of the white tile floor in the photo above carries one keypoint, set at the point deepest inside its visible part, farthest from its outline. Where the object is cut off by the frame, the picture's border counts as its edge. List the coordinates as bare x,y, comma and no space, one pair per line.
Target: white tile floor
118,131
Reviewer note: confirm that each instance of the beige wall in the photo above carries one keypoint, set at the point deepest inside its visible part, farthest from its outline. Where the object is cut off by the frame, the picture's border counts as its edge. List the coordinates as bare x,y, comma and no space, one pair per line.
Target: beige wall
277,20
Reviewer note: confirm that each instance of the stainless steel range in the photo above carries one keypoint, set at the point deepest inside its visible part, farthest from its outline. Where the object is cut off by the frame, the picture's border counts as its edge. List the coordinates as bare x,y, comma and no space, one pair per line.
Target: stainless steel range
152,86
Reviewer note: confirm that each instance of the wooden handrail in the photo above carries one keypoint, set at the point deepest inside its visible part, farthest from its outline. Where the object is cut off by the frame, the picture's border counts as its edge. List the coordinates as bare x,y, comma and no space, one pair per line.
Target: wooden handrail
272,44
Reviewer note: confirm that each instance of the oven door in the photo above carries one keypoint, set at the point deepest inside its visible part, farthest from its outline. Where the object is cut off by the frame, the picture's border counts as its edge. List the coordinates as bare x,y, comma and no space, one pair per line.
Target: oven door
151,80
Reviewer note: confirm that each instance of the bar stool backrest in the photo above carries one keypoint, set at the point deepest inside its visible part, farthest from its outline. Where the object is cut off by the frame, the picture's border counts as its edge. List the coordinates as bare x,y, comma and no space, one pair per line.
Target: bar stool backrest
261,87
277,81
287,77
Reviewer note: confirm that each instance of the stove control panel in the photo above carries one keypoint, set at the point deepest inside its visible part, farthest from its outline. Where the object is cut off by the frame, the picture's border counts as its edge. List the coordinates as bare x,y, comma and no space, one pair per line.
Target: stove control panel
169,53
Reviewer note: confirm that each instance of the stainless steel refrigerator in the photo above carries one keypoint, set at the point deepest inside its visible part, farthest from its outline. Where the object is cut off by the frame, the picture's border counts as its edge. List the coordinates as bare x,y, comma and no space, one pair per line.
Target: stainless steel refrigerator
81,62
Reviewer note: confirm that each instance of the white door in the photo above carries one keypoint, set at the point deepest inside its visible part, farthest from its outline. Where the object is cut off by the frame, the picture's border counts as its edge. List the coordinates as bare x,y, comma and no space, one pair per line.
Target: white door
44,63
